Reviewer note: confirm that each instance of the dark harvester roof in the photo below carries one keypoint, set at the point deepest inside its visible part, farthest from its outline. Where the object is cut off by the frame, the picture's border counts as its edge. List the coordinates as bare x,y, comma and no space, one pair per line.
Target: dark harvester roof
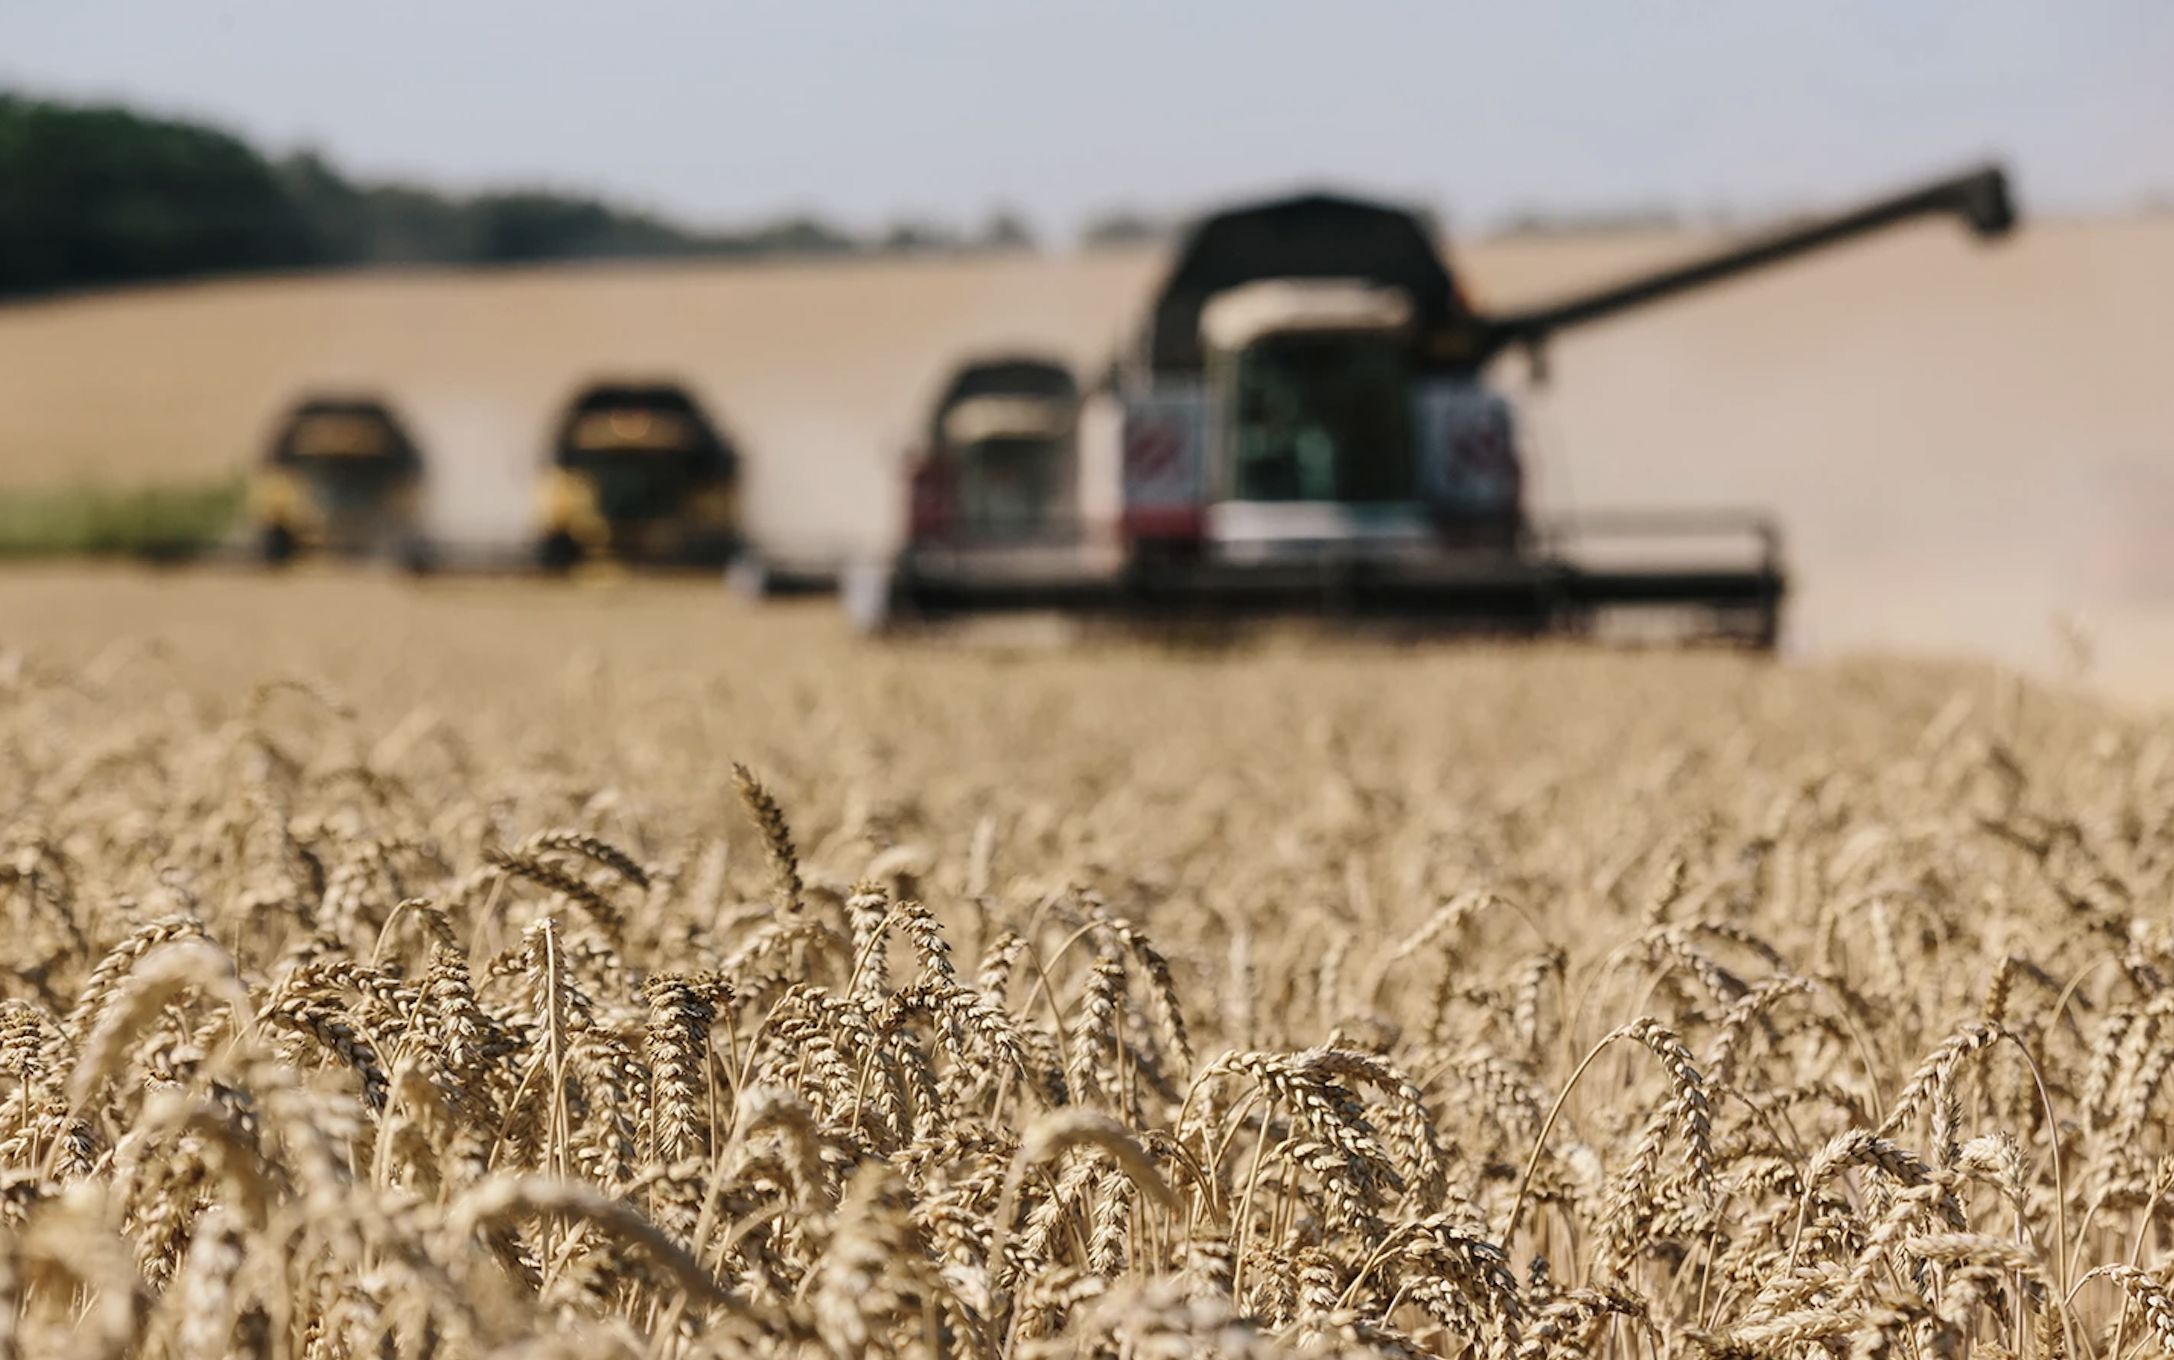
1006,375
715,454
359,407
1308,236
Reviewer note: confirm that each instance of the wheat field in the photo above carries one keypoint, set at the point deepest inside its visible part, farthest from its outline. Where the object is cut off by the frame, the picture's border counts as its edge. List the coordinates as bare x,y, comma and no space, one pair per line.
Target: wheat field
508,971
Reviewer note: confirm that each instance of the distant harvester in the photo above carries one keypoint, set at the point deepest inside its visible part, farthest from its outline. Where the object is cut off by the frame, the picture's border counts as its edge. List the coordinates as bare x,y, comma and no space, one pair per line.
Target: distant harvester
998,461
637,472
343,477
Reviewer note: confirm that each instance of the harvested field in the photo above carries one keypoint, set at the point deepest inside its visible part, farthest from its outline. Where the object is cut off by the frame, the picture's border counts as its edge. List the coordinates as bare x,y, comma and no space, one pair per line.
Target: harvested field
1968,446
411,972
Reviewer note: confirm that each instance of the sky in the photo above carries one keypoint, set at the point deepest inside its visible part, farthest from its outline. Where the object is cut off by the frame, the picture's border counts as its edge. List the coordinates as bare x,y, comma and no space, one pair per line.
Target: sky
727,111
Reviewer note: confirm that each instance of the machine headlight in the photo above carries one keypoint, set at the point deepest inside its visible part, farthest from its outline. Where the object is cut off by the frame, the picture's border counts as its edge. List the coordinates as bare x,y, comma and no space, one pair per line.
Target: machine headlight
564,498
570,506
276,497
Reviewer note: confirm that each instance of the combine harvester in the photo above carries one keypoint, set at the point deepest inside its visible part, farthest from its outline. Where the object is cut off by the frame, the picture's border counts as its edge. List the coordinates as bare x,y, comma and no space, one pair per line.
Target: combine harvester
637,473
996,468
341,478
1304,428
999,464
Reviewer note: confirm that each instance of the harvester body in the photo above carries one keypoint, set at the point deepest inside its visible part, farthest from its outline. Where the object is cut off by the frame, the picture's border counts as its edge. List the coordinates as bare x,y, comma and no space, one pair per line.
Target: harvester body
341,477
998,464
638,473
1304,426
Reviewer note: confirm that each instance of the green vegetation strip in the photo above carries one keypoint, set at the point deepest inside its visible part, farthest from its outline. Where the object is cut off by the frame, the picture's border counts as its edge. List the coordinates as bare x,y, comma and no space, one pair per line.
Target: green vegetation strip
172,521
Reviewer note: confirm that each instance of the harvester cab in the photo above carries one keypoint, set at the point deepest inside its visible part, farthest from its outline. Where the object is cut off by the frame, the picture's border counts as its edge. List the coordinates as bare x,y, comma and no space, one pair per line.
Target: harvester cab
1304,427
341,476
638,473
1314,414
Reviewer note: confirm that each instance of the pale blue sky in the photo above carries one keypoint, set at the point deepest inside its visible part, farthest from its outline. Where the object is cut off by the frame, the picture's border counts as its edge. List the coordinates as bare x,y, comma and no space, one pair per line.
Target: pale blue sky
869,109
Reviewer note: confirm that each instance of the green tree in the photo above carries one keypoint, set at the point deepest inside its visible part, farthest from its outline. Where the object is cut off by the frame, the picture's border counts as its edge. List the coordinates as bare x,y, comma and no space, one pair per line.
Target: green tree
101,196
1122,227
1006,230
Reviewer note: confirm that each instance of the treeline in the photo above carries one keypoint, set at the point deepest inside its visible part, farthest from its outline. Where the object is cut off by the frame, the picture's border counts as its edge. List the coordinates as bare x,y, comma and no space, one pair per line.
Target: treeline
1603,221
99,196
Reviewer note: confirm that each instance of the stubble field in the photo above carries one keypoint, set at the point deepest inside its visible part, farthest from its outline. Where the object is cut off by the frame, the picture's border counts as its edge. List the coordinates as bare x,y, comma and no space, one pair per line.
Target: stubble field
412,972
